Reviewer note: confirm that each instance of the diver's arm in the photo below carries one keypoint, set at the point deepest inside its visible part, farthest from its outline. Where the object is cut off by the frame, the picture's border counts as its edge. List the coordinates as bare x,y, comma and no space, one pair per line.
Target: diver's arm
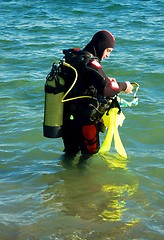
108,86
112,87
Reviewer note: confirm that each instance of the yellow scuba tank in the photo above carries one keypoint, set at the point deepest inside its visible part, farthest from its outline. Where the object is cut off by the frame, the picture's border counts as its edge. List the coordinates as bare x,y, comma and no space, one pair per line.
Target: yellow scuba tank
53,106
55,97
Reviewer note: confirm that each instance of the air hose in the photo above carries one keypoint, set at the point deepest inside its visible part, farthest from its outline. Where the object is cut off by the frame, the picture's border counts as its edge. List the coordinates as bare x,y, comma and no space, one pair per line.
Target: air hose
76,76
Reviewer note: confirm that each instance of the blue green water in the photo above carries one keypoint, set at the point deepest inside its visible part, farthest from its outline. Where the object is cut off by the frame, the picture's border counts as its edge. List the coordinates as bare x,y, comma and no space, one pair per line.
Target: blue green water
42,197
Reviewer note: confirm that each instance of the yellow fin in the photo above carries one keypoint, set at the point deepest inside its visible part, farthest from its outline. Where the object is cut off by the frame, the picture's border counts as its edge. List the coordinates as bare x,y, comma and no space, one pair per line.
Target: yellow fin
120,119
112,121
118,143
109,123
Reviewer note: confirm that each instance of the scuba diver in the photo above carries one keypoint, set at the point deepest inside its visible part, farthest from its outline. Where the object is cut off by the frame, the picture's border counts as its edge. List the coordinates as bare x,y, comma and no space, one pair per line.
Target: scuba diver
78,93
82,116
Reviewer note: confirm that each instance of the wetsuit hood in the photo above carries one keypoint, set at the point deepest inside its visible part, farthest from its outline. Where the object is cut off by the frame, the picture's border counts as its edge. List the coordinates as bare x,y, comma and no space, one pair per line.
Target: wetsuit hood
100,41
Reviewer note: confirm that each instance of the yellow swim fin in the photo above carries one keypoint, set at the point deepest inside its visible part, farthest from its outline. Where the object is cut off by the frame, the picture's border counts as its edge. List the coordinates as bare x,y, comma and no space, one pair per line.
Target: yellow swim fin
112,121
109,123
117,140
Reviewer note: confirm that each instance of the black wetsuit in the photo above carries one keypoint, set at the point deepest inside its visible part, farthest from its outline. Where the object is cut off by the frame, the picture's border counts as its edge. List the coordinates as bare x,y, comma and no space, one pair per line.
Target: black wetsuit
80,131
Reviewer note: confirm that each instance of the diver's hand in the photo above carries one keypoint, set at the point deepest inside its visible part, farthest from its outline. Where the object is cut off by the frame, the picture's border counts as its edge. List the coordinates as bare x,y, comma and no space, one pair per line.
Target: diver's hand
129,88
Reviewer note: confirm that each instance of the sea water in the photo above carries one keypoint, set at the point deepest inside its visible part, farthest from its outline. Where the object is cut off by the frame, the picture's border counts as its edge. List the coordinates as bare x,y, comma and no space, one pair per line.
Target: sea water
41,195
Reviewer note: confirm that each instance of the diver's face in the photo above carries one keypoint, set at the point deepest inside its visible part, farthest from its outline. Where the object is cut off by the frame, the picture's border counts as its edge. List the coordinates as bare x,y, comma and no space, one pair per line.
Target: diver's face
106,53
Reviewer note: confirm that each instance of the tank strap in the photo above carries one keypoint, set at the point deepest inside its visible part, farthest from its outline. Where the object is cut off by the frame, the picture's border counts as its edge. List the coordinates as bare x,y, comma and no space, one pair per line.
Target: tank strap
54,90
